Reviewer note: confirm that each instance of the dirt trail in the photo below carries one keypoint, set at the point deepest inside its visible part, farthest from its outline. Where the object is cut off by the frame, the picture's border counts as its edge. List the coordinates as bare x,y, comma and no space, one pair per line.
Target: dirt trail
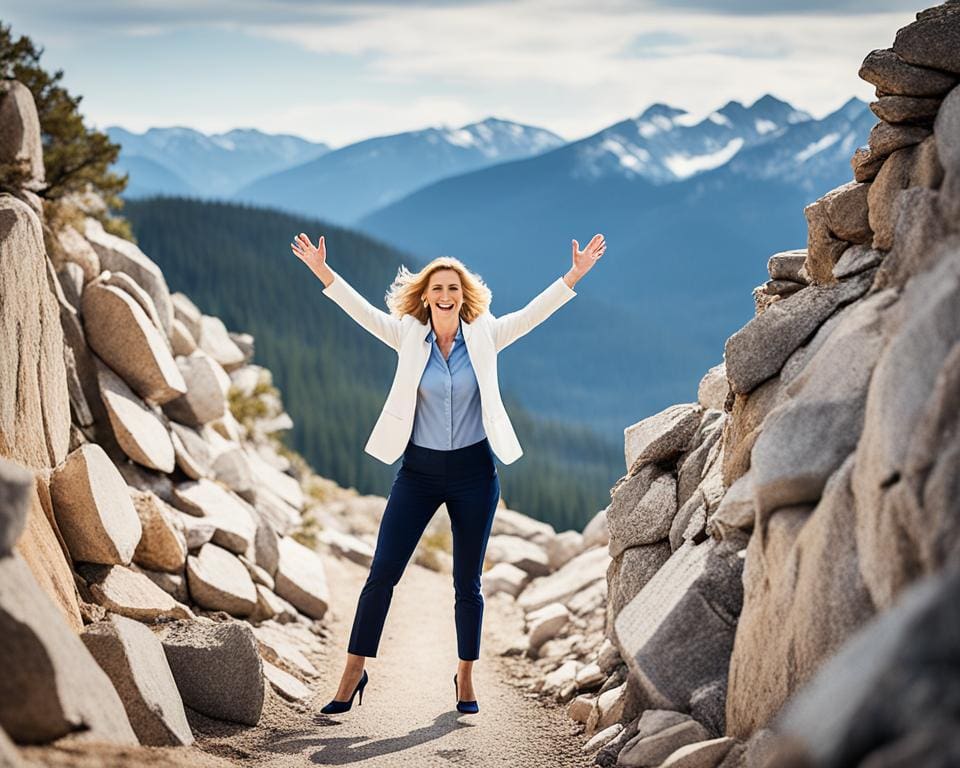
408,716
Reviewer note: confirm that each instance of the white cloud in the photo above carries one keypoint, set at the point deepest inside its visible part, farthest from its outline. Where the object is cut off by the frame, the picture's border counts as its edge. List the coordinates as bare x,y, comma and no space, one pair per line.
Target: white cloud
572,67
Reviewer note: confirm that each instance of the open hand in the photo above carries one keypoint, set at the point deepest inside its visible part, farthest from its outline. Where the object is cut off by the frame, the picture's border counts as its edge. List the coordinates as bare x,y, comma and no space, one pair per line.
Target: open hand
312,257
585,259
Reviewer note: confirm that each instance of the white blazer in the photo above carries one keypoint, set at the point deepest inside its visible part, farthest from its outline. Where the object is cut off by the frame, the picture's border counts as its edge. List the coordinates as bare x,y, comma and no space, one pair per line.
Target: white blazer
484,338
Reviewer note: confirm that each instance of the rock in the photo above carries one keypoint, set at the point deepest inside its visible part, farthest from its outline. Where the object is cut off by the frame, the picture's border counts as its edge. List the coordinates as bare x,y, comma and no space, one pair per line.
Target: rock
126,283
759,349
677,633
745,422
886,70
579,709
187,313
347,546
282,647
512,523
77,251
301,578
642,507
131,594
121,334
737,510
886,138
285,684
93,508
856,259
525,555
216,342
918,231
504,577
693,465
217,667
182,341
35,408
119,255
138,431
174,584
51,686
20,139
893,177
713,387
695,507
630,571
578,573
924,329
905,109
808,436
932,41
230,517
596,533
163,545
16,490
204,399
865,164
134,660
270,606
588,600
946,129
281,484
194,455
562,676
651,751
661,437
803,596
837,218
218,581
258,574
562,547
701,754
786,265
545,623
599,739
590,676
897,676
42,548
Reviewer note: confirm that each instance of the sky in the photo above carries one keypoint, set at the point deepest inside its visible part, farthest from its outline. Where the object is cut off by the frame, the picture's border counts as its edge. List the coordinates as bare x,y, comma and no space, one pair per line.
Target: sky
339,72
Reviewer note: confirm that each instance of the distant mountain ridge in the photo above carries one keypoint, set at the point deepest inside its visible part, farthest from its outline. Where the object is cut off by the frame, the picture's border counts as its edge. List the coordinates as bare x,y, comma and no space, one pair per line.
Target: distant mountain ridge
182,160
352,181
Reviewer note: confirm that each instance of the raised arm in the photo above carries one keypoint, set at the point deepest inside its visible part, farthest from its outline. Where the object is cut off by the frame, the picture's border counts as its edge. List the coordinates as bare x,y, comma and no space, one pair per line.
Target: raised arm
510,327
379,323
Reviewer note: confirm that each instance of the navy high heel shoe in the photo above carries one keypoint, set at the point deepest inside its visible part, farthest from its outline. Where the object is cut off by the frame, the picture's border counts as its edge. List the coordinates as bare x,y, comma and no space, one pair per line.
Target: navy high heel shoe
336,707
467,707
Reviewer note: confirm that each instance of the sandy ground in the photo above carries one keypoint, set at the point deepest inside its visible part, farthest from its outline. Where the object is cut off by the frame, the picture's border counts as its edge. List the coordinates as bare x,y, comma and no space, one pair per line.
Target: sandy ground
408,717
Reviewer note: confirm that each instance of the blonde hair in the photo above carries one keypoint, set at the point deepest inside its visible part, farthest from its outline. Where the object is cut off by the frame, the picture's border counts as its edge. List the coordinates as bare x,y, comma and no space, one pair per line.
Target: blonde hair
404,295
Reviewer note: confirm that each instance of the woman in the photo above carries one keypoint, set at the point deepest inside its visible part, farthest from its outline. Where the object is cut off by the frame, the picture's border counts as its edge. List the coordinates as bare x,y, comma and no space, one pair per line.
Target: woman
445,417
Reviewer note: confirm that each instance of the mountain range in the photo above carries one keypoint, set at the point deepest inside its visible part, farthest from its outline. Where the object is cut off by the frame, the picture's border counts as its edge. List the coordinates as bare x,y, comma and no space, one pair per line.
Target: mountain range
690,209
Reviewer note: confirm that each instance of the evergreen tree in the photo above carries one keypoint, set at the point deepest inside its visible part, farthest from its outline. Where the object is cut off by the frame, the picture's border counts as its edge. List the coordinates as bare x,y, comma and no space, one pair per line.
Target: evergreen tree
76,158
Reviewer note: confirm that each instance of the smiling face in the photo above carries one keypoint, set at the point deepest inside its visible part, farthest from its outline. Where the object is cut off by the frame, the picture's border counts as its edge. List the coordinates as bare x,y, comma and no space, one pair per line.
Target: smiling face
444,295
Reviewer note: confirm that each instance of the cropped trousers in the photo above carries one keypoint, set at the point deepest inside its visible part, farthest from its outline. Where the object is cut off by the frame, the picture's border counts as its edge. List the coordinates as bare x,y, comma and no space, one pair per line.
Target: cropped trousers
467,480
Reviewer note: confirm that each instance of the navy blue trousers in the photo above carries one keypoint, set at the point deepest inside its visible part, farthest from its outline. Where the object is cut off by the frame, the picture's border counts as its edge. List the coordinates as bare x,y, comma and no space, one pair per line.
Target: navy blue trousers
467,480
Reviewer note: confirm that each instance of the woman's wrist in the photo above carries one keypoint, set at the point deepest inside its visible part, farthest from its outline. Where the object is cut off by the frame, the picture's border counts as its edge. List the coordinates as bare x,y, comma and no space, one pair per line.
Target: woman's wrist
572,277
325,274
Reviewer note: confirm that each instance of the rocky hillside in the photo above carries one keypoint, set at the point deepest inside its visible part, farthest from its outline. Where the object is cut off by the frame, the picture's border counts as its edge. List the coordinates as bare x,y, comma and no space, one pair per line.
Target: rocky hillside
783,585
774,581
162,553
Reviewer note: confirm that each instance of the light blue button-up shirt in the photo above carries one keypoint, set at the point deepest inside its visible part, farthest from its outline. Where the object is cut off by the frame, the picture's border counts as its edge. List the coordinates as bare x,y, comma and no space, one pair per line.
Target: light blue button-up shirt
448,411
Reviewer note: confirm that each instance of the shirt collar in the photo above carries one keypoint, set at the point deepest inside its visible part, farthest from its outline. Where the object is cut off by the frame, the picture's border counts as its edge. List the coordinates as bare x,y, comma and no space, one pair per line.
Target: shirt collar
431,334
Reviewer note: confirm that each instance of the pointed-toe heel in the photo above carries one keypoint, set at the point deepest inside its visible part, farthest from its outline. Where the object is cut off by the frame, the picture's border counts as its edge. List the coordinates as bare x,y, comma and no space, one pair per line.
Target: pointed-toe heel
335,707
467,707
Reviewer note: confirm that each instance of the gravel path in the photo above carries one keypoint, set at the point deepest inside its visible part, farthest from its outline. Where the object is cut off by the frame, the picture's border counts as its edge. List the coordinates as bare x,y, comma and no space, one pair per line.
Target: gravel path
408,717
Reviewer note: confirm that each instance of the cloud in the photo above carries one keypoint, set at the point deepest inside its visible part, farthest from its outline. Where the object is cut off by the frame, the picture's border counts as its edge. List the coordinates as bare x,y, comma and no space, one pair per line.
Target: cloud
381,67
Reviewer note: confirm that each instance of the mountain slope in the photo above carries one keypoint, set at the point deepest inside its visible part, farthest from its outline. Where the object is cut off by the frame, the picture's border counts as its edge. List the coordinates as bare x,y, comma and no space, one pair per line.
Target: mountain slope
214,165
349,182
